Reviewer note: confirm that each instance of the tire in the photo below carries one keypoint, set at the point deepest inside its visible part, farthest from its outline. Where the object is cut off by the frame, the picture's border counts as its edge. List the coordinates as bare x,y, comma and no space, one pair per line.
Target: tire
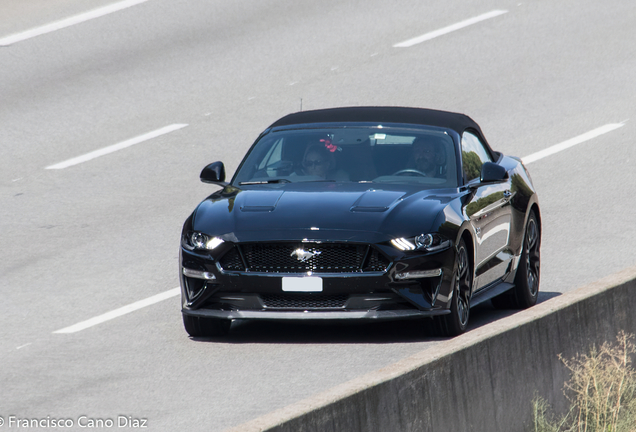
206,327
456,322
526,290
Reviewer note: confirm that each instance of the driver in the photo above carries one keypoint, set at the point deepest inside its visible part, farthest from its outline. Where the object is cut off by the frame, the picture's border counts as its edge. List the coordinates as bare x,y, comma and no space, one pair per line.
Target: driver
427,156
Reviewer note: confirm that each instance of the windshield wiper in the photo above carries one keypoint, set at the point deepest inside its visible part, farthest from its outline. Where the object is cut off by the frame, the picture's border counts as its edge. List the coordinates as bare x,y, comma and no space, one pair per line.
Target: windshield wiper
270,181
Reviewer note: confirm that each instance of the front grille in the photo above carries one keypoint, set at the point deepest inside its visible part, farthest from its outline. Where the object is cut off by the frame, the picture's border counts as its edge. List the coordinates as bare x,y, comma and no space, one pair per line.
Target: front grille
303,257
304,301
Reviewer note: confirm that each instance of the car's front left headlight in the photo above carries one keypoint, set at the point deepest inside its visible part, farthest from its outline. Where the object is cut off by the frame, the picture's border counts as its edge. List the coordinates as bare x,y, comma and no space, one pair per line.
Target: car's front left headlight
424,242
195,240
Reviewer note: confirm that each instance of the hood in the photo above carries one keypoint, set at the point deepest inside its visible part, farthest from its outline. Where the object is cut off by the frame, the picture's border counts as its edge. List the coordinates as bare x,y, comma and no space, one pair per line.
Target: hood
319,211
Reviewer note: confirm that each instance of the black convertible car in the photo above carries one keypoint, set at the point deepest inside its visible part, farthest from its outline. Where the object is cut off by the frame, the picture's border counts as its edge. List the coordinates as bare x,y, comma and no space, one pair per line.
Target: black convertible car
362,213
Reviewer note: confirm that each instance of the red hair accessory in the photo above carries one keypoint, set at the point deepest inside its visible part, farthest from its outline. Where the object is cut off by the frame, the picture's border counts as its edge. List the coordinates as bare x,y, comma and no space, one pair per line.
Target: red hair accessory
329,145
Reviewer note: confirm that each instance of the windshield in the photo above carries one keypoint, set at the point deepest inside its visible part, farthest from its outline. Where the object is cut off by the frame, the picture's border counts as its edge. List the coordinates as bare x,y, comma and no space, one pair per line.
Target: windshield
374,154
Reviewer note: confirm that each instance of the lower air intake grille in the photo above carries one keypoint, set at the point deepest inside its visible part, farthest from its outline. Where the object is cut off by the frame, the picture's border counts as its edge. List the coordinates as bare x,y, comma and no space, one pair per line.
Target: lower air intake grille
304,301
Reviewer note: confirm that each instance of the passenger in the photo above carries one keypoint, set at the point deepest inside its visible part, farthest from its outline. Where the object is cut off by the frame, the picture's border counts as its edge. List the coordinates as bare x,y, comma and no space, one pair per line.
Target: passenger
317,161
320,161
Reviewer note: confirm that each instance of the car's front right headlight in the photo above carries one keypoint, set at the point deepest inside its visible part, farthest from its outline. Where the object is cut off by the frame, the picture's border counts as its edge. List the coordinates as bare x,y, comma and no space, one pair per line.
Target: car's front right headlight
195,240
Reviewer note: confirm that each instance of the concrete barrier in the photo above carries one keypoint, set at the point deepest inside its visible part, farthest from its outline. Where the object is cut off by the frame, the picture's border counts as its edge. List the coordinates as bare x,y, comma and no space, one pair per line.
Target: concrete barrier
482,381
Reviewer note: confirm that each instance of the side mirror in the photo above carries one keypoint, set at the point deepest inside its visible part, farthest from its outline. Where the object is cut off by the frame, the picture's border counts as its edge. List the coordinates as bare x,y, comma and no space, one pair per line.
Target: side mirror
214,173
492,172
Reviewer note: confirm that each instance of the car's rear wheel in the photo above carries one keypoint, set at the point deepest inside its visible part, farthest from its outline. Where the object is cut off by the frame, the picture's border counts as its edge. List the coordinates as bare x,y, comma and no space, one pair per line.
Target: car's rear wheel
526,290
206,327
456,322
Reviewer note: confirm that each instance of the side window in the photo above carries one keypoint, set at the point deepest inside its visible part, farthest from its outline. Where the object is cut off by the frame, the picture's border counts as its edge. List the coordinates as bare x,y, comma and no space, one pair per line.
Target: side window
474,154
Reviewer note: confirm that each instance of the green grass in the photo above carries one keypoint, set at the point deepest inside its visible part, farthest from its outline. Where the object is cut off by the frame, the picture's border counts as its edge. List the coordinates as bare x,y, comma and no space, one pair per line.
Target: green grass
601,392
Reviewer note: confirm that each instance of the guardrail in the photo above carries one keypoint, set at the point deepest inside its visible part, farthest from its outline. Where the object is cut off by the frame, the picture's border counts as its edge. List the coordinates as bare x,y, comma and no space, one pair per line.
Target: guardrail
482,381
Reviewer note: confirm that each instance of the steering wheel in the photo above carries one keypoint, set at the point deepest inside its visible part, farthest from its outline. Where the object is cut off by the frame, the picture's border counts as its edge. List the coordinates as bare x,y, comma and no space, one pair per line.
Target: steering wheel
409,171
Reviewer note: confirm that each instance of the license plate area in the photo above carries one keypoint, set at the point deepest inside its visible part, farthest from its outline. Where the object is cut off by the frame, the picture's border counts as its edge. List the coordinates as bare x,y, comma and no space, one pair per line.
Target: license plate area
302,284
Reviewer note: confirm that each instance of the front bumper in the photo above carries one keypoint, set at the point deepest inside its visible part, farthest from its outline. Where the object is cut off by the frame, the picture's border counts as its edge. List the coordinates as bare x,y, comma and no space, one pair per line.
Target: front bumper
276,315
209,291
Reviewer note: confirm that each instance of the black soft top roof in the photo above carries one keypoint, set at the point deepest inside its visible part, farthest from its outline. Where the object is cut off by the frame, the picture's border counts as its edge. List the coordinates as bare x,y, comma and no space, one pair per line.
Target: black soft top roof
419,116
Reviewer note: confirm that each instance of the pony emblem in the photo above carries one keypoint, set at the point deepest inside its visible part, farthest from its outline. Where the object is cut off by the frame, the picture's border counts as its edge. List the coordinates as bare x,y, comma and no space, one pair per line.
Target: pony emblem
303,255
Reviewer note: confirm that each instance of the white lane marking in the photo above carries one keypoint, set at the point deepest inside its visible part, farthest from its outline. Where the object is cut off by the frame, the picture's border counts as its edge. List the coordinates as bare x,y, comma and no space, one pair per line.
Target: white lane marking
67,22
571,142
121,311
22,346
116,147
449,29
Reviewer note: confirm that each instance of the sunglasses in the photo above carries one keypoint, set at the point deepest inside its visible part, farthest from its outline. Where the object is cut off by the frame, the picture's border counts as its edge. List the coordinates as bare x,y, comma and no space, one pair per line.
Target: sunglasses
314,163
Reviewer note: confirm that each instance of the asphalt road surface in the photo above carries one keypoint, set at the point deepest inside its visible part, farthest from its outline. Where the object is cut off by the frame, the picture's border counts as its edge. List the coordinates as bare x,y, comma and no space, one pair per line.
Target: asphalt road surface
174,85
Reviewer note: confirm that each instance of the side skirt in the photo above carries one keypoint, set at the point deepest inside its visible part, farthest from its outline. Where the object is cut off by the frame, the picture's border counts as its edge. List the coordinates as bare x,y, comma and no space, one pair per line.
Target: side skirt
489,292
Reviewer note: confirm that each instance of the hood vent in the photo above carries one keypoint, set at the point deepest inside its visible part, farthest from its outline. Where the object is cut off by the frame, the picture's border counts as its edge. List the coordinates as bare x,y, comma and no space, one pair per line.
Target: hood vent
376,201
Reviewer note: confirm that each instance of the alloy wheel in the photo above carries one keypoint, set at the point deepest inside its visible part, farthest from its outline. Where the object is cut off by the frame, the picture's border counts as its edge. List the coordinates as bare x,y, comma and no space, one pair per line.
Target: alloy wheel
532,256
463,285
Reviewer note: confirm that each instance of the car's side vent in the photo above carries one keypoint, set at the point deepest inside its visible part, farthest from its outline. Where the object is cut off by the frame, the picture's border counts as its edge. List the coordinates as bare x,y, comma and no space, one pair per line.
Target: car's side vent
376,262
232,261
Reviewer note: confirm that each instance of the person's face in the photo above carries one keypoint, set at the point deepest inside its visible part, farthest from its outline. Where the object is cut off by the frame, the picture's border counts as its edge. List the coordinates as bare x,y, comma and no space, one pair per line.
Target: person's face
316,164
424,155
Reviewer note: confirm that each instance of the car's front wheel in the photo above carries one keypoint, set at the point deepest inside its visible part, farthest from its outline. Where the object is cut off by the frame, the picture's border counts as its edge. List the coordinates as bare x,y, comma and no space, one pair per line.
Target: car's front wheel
206,327
456,322
526,290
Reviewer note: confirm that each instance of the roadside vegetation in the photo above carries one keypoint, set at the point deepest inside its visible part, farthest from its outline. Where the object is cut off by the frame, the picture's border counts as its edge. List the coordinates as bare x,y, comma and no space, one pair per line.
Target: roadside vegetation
601,392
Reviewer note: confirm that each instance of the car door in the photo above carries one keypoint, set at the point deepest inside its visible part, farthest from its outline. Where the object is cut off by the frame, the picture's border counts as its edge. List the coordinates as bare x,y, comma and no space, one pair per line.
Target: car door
490,214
